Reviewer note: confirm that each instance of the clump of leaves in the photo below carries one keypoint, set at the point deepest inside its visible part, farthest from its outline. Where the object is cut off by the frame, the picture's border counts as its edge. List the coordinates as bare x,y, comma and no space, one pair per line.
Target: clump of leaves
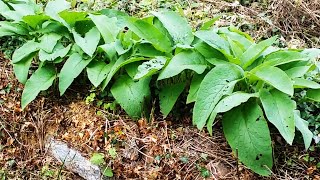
251,84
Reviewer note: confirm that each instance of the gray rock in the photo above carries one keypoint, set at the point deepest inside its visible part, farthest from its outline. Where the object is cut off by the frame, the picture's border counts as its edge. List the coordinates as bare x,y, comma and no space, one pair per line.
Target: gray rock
73,160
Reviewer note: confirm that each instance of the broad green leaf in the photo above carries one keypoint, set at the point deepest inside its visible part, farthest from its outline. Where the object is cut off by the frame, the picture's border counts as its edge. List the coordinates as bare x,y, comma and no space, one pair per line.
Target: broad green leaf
21,69
24,9
122,61
35,20
194,87
121,16
58,51
49,41
313,94
312,53
40,80
147,50
279,108
150,67
215,41
276,78
177,26
107,172
208,51
282,57
302,126
217,83
97,159
4,32
185,60
236,50
297,72
71,17
233,100
3,7
54,7
70,70
248,134
98,71
304,83
131,95
226,104
90,42
244,41
254,51
110,50
25,50
107,27
168,96
150,33
15,28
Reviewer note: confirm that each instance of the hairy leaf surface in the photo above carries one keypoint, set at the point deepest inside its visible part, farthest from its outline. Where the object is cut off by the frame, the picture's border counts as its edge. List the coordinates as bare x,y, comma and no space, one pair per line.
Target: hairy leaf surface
70,70
217,83
177,26
248,134
185,60
41,80
276,78
131,95
168,96
279,108
98,71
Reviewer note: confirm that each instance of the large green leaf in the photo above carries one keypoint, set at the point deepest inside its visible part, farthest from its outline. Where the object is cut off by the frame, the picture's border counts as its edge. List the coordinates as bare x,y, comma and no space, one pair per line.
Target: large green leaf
98,71
298,71
35,20
254,51
248,134
304,83
21,69
185,60
70,70
90,42
71,17
283,56
150,67
49,41
58,51
276,78
168,96
131,95
194,87
107,27
54,7
226,104
279,108
150,33
40,80
122,61
25,50
215,41
208,51
177,26
302,126
313,94
217,83
147,50
233,100
15,28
